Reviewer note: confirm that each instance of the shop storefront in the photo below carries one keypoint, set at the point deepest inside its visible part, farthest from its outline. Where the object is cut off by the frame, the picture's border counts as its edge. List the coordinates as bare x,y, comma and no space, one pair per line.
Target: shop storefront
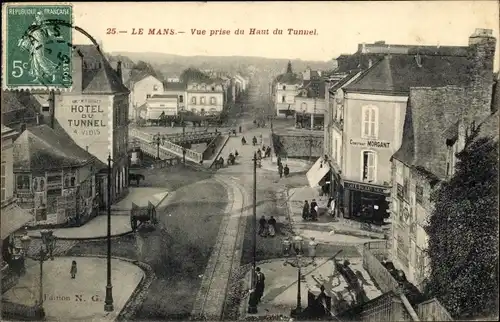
365,202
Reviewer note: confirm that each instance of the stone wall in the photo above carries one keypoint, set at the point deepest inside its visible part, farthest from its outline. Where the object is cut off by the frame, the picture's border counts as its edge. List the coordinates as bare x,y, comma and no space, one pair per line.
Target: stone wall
297,146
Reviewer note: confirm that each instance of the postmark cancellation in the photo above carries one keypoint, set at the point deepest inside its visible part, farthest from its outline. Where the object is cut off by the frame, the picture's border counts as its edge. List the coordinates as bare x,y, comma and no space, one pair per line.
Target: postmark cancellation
38,47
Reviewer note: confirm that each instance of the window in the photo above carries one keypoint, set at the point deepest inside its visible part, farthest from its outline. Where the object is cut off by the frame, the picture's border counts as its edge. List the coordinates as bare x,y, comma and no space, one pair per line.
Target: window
370,122
202,100
155,88
337,154
148,95
419,194
181,99
3,182
369,166
46,108
193,100
213,88
303,107
212,101
23,182
284,87
283,99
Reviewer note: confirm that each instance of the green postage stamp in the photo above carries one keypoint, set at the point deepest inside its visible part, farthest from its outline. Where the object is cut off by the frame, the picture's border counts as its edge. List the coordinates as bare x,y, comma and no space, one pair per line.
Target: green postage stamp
38,47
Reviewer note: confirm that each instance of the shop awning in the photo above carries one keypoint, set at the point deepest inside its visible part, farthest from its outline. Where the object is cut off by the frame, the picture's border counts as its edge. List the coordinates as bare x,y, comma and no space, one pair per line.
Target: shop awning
13,218
317,172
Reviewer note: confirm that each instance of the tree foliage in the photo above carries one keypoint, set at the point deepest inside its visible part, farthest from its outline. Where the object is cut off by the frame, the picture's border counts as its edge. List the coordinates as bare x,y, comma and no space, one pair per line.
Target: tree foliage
142,66
289,69
193,74
463,233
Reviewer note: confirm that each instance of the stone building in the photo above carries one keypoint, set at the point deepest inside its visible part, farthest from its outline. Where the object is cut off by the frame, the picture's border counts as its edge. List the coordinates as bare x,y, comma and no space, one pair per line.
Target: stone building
95,113
374,109
142,86
310,106
436,124
205,97
55,179
284,89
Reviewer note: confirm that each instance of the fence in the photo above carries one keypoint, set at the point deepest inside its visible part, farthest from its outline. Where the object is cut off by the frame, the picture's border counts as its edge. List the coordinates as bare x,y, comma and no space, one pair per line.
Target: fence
372,253
432,310
167,148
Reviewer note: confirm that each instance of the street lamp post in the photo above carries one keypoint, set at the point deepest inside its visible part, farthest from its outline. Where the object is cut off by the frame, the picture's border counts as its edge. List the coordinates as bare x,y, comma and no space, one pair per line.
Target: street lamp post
299,262
252,301
108,302
46,251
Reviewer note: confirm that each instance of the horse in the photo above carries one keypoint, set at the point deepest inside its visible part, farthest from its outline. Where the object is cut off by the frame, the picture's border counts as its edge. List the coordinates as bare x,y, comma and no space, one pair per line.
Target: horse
135,176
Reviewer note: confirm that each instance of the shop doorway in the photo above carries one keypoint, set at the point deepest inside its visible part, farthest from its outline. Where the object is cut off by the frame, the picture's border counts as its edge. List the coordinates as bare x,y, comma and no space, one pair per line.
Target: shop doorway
368,207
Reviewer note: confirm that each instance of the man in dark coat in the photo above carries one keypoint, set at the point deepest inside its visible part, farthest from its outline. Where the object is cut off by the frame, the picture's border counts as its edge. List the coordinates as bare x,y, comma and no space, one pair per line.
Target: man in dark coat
280,170
259,284
314,210
262,226
305,211
286,170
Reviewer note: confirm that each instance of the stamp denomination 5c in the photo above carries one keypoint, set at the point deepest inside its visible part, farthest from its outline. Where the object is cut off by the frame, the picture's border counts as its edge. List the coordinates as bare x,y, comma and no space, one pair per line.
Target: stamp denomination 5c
38,47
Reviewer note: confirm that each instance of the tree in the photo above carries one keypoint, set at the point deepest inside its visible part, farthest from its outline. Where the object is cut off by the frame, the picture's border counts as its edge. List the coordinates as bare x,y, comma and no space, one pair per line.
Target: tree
193,74
141,67
463,233
289,68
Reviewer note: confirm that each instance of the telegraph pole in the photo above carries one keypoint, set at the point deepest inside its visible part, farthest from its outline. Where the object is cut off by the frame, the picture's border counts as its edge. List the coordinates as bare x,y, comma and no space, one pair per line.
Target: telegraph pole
252,301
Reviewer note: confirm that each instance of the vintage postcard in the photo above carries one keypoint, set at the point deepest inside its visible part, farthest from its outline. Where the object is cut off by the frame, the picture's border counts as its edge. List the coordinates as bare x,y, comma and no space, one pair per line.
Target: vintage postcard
229,161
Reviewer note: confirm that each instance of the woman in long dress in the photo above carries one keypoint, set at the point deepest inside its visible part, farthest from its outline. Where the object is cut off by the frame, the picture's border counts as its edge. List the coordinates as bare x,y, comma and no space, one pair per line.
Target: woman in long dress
35,42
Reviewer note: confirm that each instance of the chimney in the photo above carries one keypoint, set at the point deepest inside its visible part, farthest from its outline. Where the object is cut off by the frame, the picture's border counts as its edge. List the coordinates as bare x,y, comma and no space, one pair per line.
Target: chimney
52,107
77,72
481,55
119,70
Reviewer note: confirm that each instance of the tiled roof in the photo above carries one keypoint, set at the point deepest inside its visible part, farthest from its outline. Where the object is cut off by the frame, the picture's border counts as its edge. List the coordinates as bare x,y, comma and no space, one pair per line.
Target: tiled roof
41,148
397,73
19,107
98,77
431,118
289,78
174,86
343,81
315,89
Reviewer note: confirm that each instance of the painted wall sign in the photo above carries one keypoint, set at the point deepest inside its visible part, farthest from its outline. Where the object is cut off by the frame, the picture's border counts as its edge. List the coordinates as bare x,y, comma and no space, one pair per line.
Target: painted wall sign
85,116
363,187
370,143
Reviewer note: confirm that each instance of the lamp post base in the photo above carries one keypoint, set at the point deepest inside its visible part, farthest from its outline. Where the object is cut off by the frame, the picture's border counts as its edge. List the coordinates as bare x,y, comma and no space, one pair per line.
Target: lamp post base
108,302
295,313
252,303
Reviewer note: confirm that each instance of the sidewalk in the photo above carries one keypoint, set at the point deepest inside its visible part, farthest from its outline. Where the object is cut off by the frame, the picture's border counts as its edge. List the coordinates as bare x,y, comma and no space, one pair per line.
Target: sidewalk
120,219
325,230
280,293
95,228
81,298
295,165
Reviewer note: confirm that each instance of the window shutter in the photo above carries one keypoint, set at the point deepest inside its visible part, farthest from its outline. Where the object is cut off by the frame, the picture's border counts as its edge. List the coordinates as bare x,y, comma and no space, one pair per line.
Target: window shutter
366,121
373,119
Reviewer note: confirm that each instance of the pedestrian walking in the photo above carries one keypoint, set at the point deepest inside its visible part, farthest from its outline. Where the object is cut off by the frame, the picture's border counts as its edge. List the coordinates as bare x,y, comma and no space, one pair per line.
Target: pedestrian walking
280,170
254,141
272,226
305,210
73,270
286,170
236,153
262,226
239,129
314,210
279,160
259,284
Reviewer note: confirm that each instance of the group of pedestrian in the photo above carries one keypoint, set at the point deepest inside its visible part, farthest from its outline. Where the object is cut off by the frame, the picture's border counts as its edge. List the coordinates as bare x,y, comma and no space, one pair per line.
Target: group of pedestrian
266,151
283,170
267,227
310,212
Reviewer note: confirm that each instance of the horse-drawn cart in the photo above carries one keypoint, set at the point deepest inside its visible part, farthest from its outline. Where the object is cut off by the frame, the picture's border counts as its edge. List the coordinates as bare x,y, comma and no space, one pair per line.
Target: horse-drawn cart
139,215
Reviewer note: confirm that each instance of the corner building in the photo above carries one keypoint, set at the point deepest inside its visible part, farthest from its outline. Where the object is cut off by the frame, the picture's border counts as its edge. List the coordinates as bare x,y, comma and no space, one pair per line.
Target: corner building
95,115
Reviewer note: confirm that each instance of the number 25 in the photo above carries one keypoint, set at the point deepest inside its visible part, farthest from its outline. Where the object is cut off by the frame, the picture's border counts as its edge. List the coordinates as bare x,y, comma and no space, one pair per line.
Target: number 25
18,68
111,31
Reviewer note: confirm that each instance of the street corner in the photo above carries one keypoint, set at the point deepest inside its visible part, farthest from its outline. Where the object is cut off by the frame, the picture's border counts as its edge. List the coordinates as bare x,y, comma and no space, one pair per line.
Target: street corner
94,229
65,298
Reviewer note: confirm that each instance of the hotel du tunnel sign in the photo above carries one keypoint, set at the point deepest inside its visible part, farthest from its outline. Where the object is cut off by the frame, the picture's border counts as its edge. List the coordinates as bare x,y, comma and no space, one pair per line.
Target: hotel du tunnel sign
83,116
364,187
370,143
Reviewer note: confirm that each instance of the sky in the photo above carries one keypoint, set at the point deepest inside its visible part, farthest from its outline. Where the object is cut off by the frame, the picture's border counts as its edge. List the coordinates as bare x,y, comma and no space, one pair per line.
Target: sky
340,26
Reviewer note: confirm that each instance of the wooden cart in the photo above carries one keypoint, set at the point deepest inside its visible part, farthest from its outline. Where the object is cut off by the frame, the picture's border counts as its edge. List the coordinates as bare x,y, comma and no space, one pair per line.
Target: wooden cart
140,215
